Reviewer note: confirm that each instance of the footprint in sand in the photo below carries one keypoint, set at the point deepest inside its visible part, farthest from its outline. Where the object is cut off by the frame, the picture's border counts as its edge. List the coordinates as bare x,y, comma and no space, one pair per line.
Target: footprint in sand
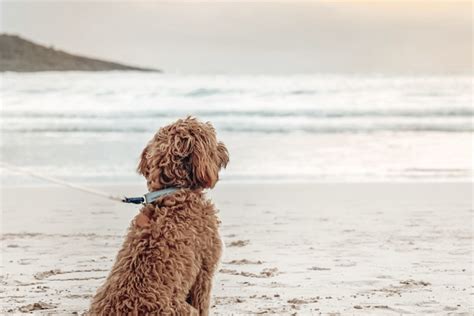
303,301
413,283
265,273
243,261
36,306
46,274
405,285
318,269
238,243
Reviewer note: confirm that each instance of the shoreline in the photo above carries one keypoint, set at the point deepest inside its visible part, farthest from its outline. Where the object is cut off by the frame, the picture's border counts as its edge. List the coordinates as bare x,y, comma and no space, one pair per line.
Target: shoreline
259,182
343,248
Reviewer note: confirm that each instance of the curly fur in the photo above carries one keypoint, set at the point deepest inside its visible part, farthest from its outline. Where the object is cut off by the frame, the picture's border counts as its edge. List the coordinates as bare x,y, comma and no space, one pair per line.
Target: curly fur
166,264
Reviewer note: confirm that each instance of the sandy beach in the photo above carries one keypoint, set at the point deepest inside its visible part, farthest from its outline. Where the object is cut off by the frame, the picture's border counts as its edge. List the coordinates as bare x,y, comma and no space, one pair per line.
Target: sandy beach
291,248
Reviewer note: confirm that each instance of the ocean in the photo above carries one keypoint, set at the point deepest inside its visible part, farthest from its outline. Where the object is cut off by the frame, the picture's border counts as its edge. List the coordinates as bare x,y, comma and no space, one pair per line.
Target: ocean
90,127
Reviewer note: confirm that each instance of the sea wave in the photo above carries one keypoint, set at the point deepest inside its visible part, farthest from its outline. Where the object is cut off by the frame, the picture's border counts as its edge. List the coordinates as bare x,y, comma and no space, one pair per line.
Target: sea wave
88,127
322,113
429,127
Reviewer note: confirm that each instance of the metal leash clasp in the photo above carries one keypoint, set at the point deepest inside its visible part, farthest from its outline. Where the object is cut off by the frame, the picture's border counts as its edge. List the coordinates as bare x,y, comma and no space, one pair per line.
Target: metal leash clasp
134,200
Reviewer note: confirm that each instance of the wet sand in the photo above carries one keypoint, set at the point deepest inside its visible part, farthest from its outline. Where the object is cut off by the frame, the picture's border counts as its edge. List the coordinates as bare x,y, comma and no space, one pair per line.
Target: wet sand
381,249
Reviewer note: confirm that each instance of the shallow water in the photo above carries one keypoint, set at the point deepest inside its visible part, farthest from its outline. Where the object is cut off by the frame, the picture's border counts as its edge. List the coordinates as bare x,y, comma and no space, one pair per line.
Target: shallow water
91,127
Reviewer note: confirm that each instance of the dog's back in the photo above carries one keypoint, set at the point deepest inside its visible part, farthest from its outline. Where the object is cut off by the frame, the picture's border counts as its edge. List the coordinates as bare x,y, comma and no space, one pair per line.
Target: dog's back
175,253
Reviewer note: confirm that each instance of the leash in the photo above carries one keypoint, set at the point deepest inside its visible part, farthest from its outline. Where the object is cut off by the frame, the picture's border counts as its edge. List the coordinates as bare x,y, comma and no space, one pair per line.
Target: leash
145,199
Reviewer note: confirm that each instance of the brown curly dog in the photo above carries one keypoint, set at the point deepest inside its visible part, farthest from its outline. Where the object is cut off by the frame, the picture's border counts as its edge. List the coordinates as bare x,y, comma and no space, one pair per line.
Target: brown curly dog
166,264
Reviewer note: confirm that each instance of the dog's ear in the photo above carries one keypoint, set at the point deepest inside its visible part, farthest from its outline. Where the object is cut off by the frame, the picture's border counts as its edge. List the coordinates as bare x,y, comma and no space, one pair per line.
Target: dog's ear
208,157
205,168
142,167
223,155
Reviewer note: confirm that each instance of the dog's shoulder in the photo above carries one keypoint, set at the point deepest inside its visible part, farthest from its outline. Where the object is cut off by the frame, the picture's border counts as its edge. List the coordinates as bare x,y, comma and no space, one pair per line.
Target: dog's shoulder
142,221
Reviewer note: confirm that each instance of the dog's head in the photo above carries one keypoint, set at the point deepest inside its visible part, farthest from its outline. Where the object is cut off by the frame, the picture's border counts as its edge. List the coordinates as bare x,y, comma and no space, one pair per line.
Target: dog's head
185,154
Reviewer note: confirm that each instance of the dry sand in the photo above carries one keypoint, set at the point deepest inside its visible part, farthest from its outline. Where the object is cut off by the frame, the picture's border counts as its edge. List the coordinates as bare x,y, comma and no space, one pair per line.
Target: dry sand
291,248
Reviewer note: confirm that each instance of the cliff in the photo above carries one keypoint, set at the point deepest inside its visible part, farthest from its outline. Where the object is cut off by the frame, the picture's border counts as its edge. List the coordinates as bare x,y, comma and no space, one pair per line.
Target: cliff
20,55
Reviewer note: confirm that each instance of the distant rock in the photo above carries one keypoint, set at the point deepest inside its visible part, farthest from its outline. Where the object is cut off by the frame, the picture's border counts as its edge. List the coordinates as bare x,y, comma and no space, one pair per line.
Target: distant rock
18,54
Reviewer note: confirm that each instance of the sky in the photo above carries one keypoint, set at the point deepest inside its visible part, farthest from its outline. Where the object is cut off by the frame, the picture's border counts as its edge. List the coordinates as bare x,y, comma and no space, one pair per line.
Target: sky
257,37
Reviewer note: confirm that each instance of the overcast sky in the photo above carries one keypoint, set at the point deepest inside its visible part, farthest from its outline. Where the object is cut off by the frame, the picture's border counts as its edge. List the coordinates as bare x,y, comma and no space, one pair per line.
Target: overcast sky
255,37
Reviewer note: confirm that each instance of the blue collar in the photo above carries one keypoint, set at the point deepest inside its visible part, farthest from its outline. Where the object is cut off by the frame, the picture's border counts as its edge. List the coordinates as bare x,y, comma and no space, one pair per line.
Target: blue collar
149,197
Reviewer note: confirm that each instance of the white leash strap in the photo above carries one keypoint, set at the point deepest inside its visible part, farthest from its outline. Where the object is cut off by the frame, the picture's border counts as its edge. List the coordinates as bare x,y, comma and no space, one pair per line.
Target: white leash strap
60,182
